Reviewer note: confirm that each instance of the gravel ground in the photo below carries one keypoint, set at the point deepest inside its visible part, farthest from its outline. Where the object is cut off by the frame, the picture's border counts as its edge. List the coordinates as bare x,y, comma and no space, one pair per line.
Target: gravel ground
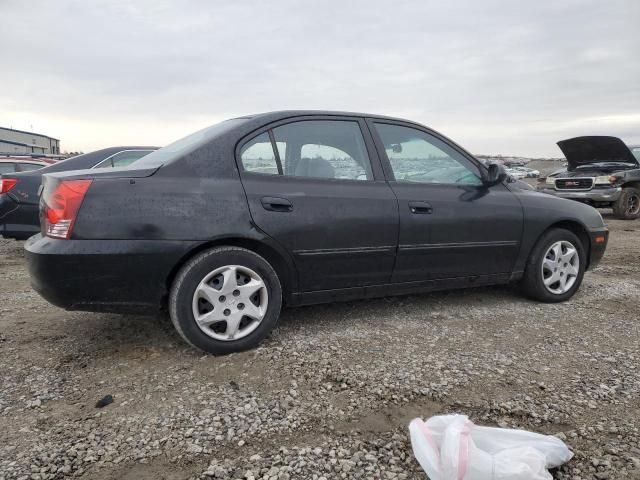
330,393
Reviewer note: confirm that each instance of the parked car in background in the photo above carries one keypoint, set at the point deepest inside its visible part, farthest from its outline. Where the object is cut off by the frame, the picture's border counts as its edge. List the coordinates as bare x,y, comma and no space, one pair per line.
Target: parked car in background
517,174
602,172
526,171
10,165
19,189
226,225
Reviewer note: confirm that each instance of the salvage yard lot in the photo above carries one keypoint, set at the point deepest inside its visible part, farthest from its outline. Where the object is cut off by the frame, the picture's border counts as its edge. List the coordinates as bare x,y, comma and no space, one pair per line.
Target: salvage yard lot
330,393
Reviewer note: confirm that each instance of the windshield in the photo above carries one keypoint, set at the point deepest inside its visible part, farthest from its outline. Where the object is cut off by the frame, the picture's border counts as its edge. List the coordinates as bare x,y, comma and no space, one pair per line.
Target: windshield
187,144
636,152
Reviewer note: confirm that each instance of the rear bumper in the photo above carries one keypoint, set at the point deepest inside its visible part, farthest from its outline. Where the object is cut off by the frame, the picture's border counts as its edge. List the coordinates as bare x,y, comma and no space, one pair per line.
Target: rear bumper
18,220
124,276
599,239
595,195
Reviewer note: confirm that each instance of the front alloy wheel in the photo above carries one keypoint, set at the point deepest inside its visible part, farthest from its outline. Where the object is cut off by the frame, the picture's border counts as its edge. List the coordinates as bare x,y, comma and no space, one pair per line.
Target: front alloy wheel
555,267
627,207
632,208
560,267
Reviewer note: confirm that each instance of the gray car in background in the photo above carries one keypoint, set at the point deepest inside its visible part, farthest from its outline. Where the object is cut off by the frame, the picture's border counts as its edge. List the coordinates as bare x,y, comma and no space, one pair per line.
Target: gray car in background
19,198
602,172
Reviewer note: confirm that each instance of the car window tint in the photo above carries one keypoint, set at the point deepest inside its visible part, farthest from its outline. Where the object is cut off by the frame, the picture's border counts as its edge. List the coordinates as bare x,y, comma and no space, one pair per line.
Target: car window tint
7,167
323,149
257,156
416,156
27,167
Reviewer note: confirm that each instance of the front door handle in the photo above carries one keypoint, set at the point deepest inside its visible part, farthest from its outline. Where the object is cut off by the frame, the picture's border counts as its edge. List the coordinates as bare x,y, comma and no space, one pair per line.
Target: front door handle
276,204
420,208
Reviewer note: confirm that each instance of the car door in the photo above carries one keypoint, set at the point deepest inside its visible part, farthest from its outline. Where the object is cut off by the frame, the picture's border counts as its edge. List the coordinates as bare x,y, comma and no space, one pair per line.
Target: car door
316,186
451,224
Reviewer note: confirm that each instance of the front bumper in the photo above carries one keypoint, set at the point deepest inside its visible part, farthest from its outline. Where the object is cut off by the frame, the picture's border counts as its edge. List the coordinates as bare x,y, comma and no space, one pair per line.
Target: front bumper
599,195
123,276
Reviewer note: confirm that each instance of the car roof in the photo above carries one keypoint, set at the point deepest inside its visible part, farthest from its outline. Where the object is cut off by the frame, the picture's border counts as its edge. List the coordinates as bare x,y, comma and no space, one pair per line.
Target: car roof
281,114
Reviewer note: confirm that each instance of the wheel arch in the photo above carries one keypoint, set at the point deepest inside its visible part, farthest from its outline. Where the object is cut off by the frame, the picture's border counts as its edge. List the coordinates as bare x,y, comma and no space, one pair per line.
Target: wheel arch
284,270
631,184
576,228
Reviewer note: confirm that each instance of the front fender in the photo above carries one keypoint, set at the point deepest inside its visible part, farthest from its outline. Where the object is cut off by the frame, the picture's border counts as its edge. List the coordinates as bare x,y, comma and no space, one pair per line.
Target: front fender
542,211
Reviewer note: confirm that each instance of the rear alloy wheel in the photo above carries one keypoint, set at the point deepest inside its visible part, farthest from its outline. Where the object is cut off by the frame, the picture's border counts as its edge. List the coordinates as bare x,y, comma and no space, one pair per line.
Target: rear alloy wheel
627,207
555,268
230,302
225,300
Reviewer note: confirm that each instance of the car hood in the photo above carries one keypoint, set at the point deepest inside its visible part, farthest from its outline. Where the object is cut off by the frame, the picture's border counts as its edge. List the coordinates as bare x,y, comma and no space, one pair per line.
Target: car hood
600,150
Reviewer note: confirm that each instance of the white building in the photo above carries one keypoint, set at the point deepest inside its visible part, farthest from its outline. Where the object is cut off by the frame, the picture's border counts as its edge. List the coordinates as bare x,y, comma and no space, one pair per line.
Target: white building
21,142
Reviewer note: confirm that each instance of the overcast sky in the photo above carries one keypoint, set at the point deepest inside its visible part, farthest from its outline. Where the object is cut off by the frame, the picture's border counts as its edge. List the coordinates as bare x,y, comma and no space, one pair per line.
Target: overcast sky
496,76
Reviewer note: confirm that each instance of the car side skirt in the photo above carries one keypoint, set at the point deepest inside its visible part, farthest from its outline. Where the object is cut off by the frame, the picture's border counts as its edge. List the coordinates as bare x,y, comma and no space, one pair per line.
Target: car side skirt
392,289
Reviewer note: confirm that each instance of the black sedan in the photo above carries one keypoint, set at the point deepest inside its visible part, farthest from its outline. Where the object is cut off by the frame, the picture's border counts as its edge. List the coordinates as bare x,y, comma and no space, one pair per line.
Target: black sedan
229,224
19,190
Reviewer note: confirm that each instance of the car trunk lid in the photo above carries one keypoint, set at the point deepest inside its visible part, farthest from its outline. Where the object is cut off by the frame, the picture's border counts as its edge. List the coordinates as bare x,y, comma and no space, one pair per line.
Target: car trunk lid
126,172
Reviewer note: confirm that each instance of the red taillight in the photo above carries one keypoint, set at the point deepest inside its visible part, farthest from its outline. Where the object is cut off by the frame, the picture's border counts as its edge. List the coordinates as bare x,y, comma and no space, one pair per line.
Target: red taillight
61,206
7,184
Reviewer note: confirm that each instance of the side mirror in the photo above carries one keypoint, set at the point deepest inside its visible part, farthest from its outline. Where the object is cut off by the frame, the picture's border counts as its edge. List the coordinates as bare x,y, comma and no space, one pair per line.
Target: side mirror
495,174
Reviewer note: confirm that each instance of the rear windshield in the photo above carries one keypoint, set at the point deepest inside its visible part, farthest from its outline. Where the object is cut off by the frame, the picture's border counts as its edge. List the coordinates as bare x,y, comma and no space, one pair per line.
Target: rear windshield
187,144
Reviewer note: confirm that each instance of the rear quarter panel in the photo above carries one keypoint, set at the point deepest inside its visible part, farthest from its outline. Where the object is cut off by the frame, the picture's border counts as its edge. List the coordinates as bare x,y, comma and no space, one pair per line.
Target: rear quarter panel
162,208
197,199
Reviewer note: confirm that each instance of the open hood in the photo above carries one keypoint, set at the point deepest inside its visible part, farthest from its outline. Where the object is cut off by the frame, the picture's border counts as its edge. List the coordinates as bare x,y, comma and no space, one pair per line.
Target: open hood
588,150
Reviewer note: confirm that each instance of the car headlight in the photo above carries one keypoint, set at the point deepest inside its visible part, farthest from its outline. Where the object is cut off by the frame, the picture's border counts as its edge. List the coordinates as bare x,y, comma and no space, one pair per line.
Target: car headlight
550,181
606,180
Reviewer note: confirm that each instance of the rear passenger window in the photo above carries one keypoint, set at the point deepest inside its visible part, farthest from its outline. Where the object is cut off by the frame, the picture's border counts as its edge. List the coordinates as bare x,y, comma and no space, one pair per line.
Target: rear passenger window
257,156
122,159
7,168
27,167
323,149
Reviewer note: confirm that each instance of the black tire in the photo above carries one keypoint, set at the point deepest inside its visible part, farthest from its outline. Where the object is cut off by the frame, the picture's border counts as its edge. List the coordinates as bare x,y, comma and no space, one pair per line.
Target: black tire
532,282
195,270
627,207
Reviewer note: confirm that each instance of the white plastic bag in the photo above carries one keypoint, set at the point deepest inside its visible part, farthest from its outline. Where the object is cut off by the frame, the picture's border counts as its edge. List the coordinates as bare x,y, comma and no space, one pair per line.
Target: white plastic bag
452,447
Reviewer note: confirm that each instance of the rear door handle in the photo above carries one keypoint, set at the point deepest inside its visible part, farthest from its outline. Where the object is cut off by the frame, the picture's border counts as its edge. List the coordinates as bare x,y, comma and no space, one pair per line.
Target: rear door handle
420,208
276,204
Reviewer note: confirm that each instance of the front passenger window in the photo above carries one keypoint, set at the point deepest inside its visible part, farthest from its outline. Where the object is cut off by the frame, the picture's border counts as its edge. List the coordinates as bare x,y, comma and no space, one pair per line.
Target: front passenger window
416,156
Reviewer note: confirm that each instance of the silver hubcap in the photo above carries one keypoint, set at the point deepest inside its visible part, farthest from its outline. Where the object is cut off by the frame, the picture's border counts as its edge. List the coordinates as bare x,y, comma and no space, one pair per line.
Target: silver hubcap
560,267
230,302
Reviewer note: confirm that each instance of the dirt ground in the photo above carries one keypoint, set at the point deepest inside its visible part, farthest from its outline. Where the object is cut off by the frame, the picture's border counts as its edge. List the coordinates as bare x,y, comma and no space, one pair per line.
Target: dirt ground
330,393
